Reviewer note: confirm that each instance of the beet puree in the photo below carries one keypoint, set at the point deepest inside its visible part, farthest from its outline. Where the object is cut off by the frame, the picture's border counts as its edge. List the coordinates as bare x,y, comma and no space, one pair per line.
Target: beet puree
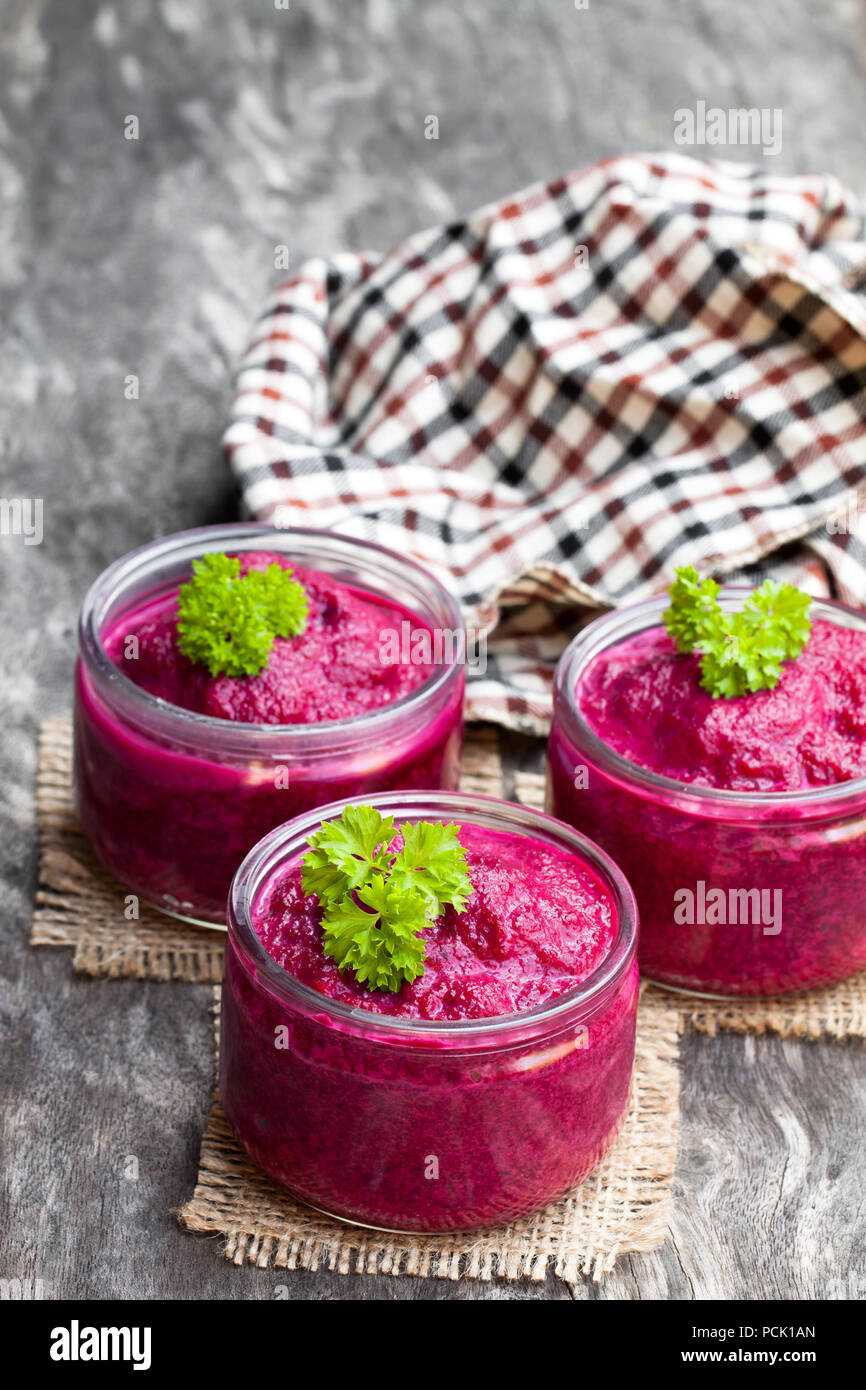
331,670
537,924
354,1116
643,700
172,811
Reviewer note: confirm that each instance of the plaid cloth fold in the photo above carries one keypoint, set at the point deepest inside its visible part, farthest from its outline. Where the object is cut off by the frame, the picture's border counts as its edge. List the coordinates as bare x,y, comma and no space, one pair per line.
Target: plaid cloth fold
650,362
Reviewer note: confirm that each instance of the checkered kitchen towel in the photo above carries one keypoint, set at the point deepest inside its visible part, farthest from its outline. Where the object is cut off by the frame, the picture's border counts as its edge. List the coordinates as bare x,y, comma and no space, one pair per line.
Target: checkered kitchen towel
653,361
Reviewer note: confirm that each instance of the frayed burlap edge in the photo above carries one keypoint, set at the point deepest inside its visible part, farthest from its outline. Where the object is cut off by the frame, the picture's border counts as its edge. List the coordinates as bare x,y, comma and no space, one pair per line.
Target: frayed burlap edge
839,1012
80,905
623,1206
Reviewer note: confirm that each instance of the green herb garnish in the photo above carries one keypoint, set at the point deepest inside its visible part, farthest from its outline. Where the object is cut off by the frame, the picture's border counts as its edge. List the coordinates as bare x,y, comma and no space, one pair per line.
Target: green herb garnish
377,900
228,621
740,652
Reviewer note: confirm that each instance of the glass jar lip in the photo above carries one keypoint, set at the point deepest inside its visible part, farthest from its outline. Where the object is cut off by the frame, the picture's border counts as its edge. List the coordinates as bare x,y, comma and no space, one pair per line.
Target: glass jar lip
635,618
489,811
237,735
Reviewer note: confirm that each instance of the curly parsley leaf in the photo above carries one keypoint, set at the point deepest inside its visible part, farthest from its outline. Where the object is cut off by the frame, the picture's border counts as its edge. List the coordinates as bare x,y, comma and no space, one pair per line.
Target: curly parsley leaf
227,621
741,652
433,862
346,853
781,613
376,900
693,602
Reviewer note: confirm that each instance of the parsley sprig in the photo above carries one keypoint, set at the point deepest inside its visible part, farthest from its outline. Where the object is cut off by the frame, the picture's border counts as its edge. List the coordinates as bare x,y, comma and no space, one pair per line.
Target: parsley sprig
228,621
741,652
376,900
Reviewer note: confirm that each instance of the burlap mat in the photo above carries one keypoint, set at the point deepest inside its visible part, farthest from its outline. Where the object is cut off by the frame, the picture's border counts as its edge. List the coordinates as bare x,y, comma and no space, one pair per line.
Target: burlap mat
81,906
622,1206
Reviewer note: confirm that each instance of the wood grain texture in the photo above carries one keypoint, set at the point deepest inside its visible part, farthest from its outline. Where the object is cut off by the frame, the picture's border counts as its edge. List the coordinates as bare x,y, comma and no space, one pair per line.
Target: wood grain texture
305,128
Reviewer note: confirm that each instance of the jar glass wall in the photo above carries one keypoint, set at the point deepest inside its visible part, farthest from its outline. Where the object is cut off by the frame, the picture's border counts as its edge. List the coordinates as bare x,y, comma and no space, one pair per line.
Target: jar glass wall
411,1125
172,800
774,882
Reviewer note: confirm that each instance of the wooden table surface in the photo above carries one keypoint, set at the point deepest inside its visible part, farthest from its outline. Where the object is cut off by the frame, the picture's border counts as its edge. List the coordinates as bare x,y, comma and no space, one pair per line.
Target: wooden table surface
258,127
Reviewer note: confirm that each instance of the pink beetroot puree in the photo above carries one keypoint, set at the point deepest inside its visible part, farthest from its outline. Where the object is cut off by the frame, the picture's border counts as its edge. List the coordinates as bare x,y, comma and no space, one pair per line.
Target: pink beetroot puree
645,701
538,923
332,670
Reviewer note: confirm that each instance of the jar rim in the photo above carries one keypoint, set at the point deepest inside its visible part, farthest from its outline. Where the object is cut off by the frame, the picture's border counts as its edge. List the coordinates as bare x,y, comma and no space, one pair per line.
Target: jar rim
632,619
237,735
491,812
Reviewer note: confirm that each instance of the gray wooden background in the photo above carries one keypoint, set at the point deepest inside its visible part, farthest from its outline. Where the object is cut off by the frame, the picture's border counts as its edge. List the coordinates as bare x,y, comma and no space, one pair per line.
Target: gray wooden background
260,126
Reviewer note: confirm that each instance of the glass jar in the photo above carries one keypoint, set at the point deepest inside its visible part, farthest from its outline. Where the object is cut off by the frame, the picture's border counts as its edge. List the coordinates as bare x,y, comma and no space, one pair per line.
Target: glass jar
172,800
417,1125
774,882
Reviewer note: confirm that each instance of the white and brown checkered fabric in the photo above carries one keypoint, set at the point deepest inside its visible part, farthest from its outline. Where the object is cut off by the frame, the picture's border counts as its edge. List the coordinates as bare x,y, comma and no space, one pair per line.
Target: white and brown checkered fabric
650,362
